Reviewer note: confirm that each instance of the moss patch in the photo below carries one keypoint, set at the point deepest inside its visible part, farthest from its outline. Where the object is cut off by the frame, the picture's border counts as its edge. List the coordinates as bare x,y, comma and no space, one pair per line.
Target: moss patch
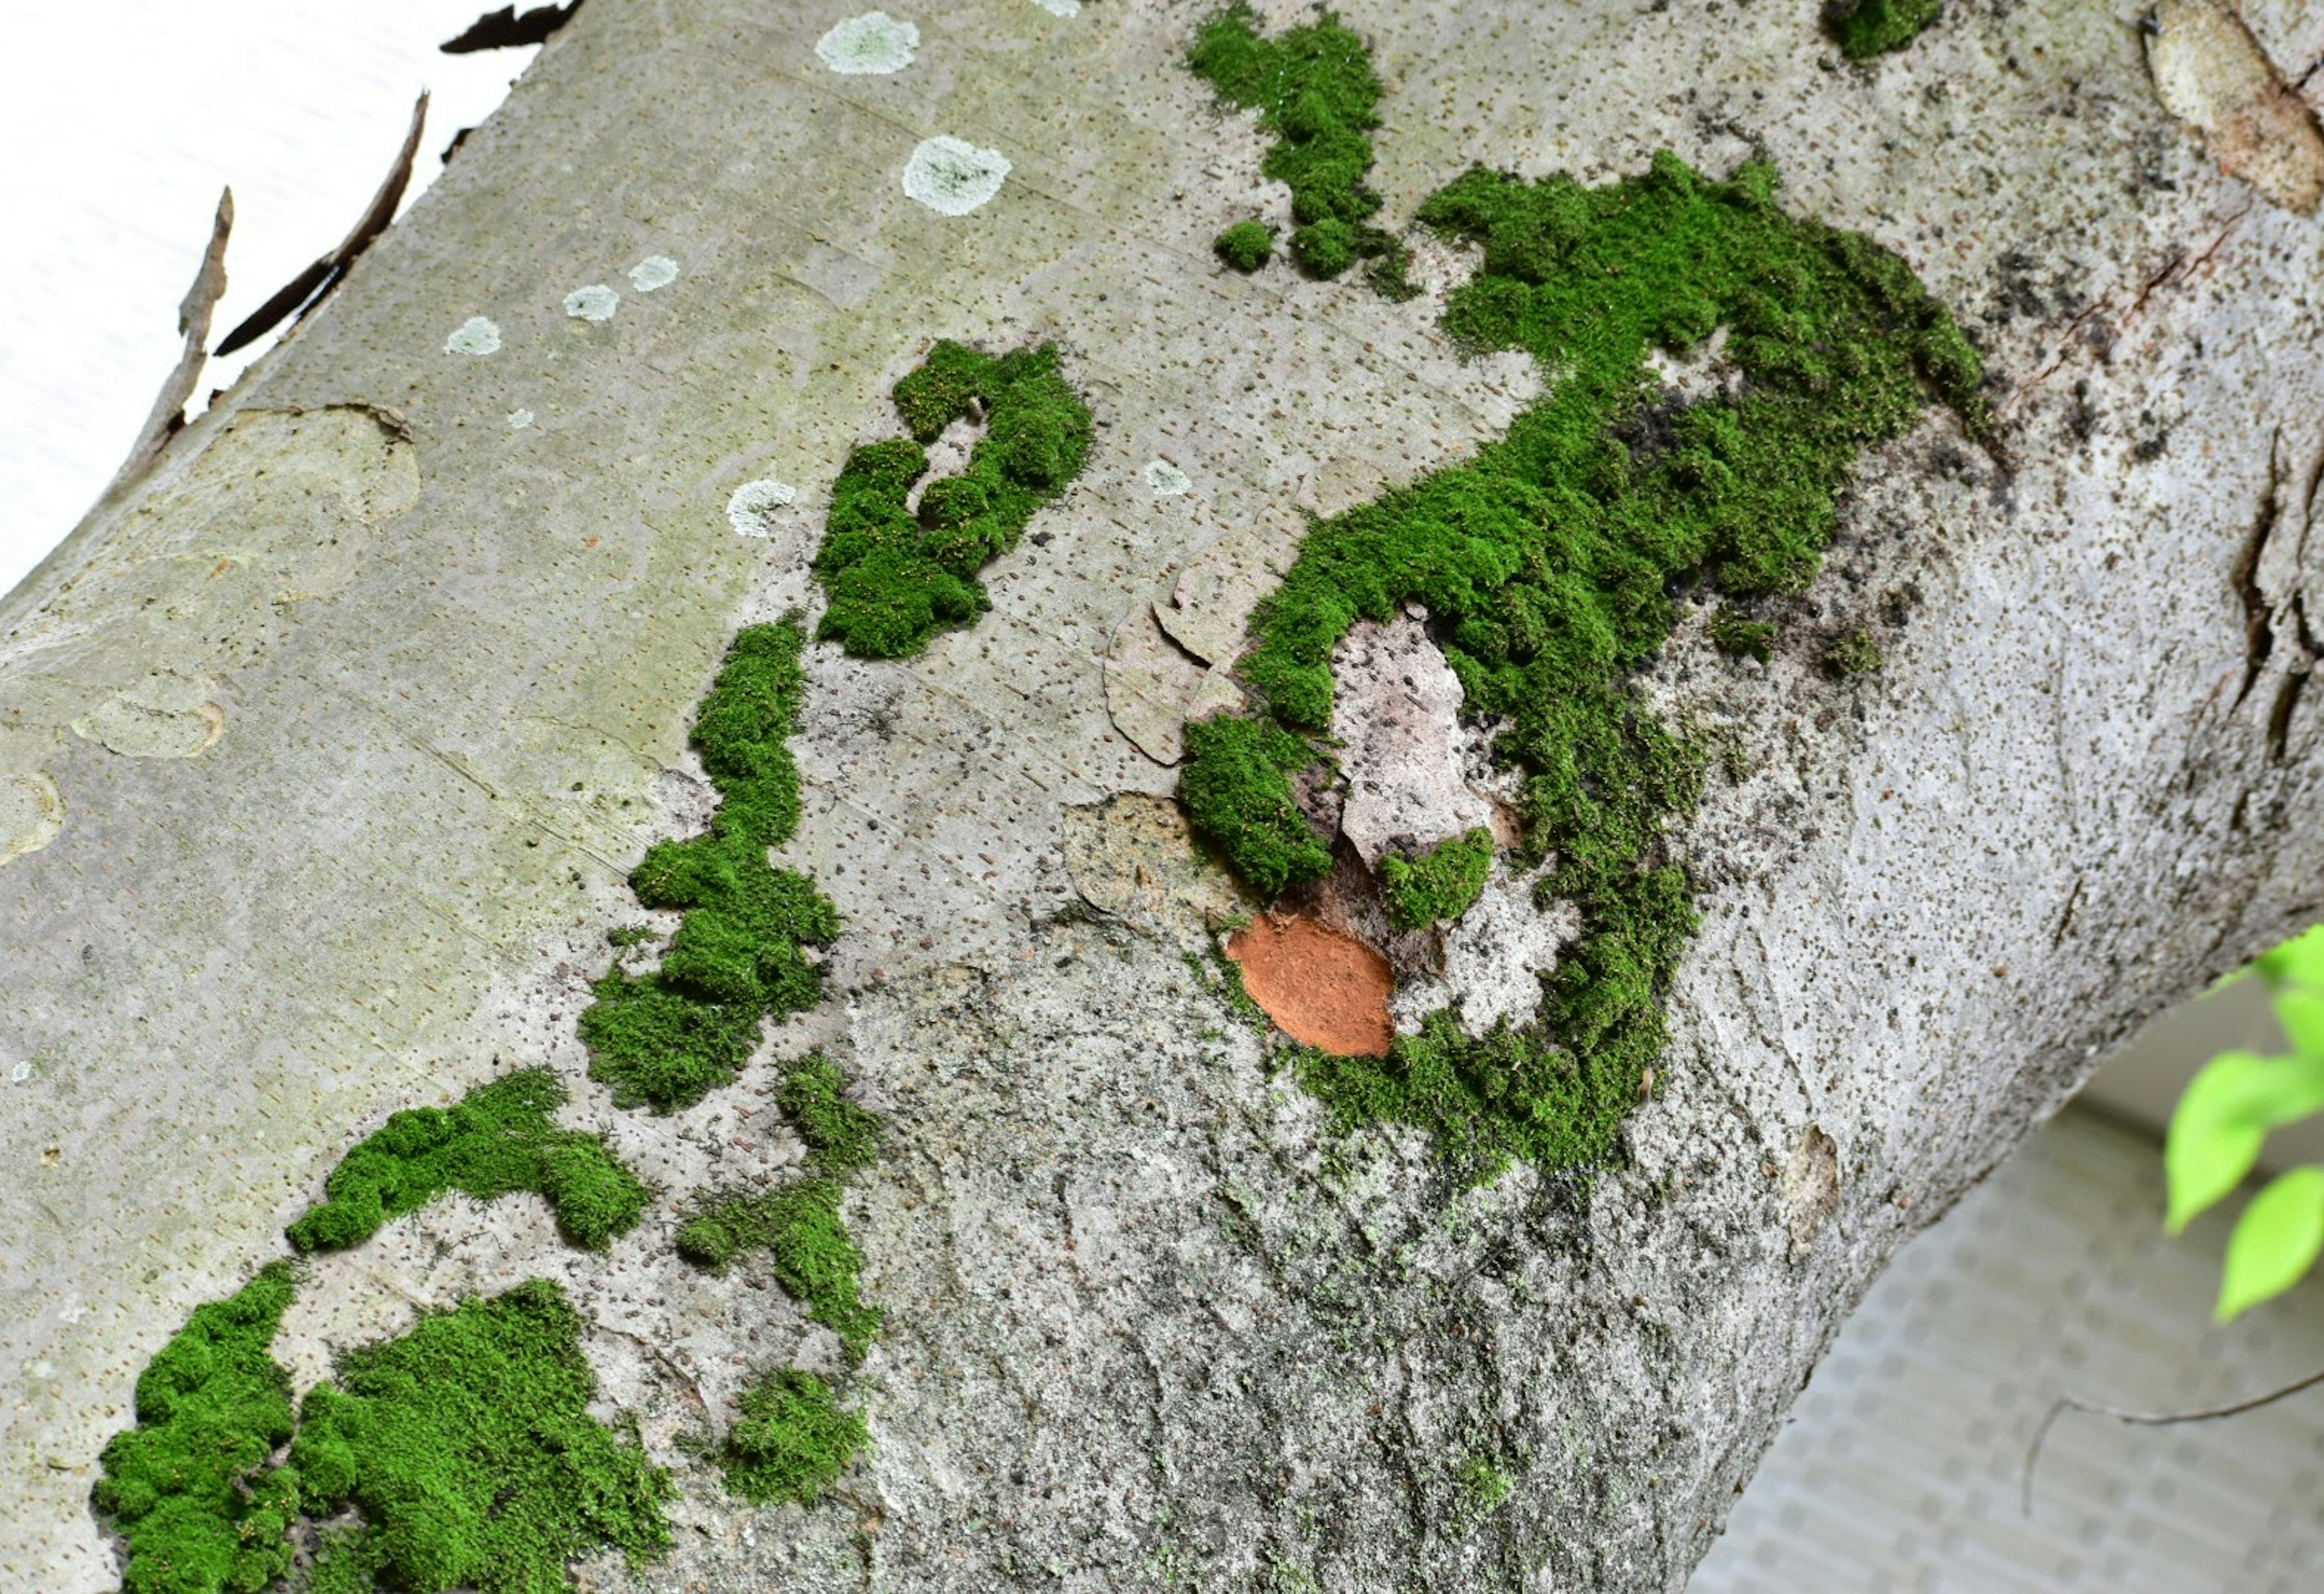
466,1445
1863,28
1743,638
1853,653
499,1140
468,1449
667,1039
1546,563
1314,90
1247,246
1437,885
798,1225
793,1441
895,578
186,1487
1237,783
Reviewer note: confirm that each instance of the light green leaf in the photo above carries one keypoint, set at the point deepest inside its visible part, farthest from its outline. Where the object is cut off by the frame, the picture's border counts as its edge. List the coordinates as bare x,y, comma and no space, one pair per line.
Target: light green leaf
2299,961
2210,1145
2275,1242
2300,1011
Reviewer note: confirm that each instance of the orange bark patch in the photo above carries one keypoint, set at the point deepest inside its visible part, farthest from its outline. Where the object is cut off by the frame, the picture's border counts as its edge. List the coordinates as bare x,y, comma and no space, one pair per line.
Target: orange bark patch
1328,989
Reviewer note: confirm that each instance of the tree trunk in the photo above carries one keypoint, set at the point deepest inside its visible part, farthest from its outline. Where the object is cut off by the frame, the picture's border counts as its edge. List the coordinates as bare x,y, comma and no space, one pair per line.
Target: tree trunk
329,745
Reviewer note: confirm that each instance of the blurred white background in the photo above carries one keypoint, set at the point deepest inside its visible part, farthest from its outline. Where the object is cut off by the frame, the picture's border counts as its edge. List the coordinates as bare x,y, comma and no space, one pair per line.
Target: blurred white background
125,118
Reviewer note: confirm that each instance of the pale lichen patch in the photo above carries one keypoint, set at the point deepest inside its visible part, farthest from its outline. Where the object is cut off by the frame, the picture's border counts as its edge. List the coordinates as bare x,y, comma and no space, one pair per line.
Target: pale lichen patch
1060,7
872,44
595,302
953,177
164,715
32,815
654,272
519,420
1166,479
753,507
478,335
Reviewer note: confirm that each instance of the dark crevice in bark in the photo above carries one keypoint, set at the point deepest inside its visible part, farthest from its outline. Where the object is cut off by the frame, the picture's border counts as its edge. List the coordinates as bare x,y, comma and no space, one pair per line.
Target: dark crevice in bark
2259,632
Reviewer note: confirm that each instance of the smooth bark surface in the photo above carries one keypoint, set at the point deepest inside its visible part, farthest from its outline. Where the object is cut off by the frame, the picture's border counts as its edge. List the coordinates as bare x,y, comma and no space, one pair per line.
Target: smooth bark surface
325,750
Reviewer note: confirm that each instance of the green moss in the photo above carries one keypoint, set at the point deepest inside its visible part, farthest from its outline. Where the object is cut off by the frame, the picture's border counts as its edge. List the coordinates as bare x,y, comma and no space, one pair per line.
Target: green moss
842,1137
1247,246
1437,885
499,1140
1485,1486
815,1258
1546,563
793,1441
187,1489
1865,28
1853,654
798,1224
467,1447
1314,90
1237,784
1732,632
668,1038
895,578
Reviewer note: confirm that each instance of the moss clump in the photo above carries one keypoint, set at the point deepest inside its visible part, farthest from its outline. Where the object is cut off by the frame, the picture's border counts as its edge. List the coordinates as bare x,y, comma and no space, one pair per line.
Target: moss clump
1863,28
468,1446
842,1137
815,1259
1486,1487
895,578
793,1441
1314,90
1547,562
498,1140
666,1039
1247,246
1853,654
1437,885
1237,784
187,1489
798,1224
1732,634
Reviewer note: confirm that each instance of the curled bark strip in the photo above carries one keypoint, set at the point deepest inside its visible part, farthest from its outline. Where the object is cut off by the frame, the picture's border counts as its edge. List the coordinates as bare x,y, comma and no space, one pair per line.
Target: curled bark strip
2065,1404
505,29
194,312
302,293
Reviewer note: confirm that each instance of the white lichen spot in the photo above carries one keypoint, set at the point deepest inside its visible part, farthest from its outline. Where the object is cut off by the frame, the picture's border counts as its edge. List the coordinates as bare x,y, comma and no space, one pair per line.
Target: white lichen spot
32,813
953,177
751,510
1168,480
477,334
872,43
20,1072
519,419
1060,7
595,302
655,271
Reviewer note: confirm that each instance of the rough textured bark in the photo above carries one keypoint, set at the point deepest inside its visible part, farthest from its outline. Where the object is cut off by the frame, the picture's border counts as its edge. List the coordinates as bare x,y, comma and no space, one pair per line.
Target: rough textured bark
328,744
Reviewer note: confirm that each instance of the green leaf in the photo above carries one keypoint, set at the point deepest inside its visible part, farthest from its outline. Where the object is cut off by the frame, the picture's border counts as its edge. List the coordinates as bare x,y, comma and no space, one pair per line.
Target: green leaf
2300,1012
2299,961
2210,1145
2276,1241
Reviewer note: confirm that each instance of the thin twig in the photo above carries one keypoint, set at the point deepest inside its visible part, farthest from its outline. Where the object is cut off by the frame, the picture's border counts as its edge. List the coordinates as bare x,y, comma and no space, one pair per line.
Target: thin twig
2065,1404
169,413
304,292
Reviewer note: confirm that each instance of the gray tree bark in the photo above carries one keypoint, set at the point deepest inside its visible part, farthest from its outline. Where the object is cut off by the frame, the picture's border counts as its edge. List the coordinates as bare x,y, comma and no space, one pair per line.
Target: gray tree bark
325,746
